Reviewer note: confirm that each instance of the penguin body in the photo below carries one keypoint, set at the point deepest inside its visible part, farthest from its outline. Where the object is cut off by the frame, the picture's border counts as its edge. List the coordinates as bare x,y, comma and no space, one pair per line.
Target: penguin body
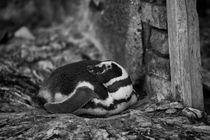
64,80
88,87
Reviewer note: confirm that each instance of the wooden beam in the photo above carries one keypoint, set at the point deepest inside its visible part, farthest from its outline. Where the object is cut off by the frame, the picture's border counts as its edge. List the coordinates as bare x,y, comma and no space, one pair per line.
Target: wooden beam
184,50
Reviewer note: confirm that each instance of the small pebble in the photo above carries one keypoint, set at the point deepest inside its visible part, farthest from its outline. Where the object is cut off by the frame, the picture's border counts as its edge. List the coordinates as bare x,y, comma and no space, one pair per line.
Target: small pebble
171,111
150,109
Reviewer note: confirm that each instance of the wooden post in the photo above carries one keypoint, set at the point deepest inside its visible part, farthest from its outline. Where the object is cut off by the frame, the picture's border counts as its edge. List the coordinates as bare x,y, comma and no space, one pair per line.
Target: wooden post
184,50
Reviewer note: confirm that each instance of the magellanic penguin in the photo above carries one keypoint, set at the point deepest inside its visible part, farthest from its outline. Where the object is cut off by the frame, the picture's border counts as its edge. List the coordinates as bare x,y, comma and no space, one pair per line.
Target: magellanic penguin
88,87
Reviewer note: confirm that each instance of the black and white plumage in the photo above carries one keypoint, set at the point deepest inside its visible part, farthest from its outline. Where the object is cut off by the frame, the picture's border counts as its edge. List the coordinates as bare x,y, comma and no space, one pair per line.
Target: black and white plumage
89,87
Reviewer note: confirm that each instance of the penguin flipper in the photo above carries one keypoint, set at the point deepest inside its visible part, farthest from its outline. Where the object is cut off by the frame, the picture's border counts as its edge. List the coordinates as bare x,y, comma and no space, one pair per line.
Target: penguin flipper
76,101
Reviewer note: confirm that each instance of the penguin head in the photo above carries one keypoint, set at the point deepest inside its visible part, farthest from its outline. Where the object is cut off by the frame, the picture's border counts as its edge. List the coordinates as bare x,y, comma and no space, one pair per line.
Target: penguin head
106,71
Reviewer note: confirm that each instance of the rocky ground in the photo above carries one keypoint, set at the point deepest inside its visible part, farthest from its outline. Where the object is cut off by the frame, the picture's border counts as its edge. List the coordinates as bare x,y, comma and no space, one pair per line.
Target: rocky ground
29,58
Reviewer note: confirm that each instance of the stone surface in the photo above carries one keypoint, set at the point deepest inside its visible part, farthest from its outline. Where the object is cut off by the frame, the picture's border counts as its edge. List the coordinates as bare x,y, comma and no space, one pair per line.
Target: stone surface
158,88
168,107
150,108
171,111
176,105
175,121
118,27
132,125
159,41
193,113
154,14
157,2
157,66
202,129
24,32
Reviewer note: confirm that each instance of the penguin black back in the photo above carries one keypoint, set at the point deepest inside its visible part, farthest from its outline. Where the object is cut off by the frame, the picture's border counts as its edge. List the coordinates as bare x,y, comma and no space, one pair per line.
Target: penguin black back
65,79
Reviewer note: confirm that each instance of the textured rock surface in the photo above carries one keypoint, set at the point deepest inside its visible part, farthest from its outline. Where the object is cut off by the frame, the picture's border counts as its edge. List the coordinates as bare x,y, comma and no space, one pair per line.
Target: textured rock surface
157,66
158,88
118,27
155,14
132,124
159,41
156,50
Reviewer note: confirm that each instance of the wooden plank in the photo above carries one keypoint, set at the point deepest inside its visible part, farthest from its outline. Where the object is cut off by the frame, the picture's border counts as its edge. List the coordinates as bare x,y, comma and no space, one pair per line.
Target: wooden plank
184,50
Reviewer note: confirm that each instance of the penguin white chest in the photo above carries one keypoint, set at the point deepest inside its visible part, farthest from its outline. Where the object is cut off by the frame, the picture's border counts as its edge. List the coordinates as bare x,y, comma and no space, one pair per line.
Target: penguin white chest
122,93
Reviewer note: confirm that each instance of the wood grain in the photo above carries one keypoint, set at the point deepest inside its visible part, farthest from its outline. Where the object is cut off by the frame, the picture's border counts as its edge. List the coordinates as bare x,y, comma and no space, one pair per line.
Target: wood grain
184,50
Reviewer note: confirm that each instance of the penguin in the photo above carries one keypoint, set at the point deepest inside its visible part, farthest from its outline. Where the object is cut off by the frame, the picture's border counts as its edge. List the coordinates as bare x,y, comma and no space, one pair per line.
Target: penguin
98,88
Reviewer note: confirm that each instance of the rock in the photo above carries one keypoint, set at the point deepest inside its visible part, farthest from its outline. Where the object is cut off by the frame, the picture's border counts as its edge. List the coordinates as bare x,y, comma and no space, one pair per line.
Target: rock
17,90
163,106
176,105
118,29
154,14
168,107
175,120
202,129
99,134
157,66
150,108
171,111
198,129
39,125
193,113
205,137
46,65
24,32
174,137
158,88
159,42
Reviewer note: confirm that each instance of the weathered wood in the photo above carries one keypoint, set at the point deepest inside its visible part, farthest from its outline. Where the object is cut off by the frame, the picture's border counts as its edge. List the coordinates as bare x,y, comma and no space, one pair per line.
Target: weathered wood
184,49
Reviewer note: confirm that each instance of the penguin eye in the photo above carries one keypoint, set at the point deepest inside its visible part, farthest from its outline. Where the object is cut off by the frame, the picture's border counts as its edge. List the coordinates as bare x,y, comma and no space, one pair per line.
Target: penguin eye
109,66
96,69
90,68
